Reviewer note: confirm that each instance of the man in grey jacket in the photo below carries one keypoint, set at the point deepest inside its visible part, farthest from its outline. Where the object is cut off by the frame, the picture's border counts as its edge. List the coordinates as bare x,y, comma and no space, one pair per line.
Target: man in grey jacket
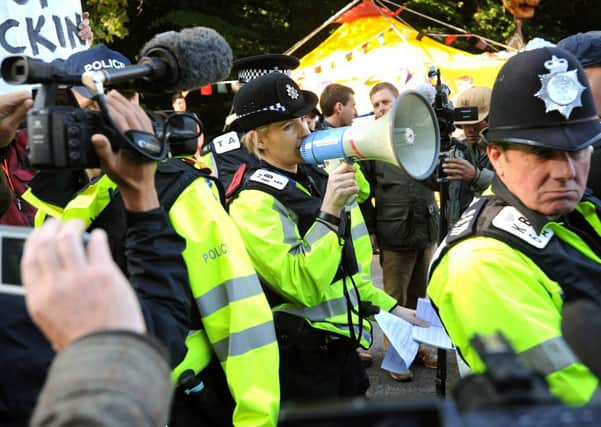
467,168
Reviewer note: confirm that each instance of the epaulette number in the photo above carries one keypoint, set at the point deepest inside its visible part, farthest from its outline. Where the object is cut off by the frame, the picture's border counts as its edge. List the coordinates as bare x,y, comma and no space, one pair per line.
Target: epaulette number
512,221
270,178
226,142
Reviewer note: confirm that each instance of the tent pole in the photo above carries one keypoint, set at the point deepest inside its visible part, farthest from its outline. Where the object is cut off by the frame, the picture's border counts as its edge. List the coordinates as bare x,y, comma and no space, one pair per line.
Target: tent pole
321,27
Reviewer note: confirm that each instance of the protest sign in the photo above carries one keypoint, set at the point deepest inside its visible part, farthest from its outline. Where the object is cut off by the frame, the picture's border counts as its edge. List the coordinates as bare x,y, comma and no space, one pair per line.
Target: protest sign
43,29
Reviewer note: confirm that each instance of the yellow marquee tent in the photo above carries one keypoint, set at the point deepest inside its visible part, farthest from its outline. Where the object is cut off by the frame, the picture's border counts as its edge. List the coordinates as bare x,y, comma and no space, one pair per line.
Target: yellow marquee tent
372,45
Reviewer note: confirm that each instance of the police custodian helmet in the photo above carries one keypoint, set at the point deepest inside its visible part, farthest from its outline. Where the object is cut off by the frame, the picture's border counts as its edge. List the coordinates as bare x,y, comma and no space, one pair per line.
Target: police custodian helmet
542,98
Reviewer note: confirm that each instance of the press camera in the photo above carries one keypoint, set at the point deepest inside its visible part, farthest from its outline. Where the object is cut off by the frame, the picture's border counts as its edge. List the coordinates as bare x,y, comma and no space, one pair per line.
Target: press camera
446,113
60,132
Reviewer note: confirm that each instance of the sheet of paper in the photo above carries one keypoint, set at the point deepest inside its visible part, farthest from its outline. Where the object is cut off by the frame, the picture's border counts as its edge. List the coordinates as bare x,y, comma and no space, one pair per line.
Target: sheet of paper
399,334
393,362
435,335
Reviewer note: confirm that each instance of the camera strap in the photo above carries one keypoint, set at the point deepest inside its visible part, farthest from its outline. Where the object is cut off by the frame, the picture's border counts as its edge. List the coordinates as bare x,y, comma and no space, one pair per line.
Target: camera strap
146,144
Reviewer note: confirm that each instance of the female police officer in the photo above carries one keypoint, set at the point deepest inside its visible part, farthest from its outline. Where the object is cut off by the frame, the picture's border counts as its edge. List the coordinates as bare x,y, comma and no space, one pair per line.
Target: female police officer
313,258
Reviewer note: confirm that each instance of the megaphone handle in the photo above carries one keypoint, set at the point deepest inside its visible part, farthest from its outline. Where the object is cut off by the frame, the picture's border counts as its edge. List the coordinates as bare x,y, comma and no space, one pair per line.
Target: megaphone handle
330,165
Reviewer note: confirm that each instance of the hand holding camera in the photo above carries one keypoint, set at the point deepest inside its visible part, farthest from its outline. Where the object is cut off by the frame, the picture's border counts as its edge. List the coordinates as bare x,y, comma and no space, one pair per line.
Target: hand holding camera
13,110
133,175
456,168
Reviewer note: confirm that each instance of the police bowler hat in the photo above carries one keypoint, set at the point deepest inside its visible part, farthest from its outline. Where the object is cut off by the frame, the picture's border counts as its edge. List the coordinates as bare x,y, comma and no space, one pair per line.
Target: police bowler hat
584,46
542,98
268,99
251,67
95,58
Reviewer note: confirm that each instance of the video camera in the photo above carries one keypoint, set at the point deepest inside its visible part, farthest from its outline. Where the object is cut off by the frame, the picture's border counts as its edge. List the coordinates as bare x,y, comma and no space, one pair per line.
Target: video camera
59,131
445,112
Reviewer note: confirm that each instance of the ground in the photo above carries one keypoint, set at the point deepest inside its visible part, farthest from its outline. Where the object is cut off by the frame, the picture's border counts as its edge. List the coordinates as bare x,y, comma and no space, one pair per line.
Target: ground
423,384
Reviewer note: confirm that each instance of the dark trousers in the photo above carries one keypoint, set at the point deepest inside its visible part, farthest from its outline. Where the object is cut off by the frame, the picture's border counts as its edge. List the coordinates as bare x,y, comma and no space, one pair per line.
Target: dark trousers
316,365
213,406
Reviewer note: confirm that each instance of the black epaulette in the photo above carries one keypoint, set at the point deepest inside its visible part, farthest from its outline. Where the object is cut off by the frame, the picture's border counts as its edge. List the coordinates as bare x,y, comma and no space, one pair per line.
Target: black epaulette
466,224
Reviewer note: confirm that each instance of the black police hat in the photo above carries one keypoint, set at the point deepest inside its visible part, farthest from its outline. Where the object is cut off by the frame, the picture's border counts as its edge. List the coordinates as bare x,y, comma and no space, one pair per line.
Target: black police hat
95,58
584,46
251,67
268,99
542,98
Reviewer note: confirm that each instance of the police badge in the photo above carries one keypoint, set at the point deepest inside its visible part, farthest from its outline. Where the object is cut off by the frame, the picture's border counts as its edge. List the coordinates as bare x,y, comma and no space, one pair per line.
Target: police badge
560,89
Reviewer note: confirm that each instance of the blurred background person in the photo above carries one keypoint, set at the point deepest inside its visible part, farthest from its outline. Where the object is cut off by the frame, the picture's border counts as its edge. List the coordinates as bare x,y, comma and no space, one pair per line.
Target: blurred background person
403,224
178,102
337,105
179,105
312,118
468,168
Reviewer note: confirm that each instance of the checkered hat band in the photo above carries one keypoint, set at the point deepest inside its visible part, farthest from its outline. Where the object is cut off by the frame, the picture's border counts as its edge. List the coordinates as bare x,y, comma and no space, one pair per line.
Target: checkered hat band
252,73
273,107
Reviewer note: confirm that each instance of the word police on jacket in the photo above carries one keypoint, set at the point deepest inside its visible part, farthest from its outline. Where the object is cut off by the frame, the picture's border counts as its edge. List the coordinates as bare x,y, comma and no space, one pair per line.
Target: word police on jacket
105,63
215,252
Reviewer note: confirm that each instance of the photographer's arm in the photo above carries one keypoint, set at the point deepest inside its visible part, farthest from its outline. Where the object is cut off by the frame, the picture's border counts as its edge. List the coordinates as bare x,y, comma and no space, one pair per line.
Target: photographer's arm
13,110
107,371
153,249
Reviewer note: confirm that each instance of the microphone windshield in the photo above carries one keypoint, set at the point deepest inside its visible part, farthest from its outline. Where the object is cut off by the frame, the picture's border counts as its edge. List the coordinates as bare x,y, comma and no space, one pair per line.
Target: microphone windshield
195,57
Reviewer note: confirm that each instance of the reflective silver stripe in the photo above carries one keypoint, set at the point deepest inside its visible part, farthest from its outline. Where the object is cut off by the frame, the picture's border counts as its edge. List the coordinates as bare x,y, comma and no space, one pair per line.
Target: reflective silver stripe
244,341
359,231
316,232
289,230
550,356
324,310
230,291
366,335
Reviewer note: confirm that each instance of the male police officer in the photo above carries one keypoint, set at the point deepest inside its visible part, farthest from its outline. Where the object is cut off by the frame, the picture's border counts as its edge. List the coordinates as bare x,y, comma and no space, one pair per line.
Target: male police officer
533,240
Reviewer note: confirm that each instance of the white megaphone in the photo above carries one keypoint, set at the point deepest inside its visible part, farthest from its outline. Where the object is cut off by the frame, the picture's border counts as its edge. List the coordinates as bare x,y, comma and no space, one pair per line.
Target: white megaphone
407,137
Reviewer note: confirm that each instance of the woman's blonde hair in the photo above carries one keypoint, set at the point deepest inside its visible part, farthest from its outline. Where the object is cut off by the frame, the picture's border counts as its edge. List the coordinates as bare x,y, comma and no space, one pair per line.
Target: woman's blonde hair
251,139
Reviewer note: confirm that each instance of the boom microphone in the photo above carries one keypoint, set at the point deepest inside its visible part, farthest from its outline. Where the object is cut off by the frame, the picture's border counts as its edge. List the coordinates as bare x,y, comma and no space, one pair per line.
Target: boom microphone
21,69
581,328
173,61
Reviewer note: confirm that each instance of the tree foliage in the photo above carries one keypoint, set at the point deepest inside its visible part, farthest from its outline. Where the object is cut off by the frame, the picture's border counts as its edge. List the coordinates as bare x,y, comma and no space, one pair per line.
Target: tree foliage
261,26
272,26
114,19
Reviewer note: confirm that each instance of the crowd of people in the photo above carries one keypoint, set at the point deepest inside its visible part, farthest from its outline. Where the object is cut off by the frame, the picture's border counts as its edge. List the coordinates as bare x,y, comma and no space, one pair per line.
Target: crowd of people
216,287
